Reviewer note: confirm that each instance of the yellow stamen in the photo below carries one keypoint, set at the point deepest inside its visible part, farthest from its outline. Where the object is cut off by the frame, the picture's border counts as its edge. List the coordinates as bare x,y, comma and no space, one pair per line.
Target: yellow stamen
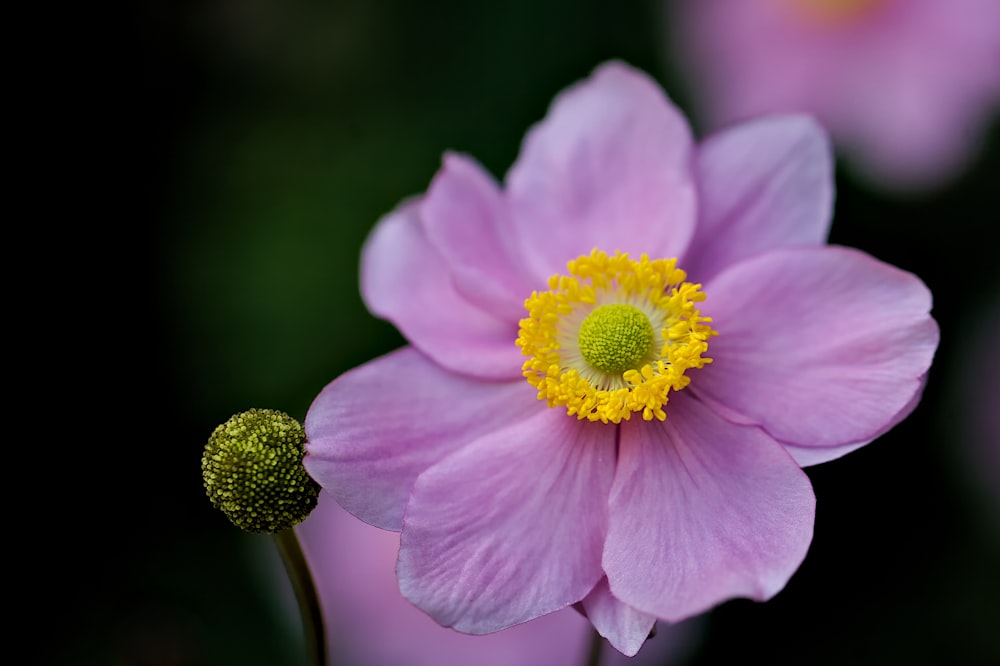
590,339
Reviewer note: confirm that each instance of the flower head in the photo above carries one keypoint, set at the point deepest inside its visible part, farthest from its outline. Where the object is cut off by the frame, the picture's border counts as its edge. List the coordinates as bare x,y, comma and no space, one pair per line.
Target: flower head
907,88
253,473
555,434
613,337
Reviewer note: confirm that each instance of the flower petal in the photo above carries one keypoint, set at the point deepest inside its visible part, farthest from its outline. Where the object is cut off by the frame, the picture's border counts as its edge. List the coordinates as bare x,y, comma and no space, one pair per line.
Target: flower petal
511,526
703,510
369,622
906,88
763,184
823,347
374,429
609,167
464,217
623,626
404,280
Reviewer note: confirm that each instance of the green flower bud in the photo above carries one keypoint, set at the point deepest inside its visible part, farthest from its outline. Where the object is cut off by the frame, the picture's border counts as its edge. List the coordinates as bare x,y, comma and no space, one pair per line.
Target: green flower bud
253,472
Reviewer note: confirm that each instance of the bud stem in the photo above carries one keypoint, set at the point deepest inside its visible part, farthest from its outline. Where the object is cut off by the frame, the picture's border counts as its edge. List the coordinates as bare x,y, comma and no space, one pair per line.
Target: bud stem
305,593
595,649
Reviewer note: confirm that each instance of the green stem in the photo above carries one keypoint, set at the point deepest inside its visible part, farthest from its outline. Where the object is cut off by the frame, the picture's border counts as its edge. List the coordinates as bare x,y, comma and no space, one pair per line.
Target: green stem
305,593
596,647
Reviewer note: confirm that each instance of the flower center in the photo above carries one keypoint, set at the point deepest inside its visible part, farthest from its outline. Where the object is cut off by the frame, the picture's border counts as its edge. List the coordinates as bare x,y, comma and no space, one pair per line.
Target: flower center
592,337
834,11
615,338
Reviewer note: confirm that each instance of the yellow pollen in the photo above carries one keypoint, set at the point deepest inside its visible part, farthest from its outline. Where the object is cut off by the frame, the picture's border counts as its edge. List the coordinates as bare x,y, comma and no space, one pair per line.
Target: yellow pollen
614,338
591,339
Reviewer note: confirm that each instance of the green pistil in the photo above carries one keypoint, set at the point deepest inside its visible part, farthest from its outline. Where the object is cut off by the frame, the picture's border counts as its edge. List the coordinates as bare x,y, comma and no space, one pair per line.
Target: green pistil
253,473
615,338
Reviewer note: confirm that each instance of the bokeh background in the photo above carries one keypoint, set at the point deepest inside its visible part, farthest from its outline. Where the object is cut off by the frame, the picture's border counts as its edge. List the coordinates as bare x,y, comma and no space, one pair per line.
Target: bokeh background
265,140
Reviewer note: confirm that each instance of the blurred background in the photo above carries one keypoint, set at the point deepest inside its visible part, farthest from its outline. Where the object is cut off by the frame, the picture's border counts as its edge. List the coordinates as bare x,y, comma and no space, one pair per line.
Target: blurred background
265,139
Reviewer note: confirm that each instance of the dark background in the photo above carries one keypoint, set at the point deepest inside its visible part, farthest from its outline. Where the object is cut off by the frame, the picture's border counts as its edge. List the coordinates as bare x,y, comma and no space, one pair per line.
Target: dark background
253,145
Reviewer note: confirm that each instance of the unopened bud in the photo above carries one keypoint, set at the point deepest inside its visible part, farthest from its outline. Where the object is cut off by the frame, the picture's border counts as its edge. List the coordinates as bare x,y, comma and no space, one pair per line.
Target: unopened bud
253,472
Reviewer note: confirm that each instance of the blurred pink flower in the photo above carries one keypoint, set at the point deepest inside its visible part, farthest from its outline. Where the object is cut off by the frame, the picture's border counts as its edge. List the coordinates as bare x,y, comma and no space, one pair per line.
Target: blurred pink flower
907,88
633,507
369,623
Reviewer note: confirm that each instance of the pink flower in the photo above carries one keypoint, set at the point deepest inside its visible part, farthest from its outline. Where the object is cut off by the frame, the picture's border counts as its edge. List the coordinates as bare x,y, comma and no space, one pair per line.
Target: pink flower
369,623
646,483
907,88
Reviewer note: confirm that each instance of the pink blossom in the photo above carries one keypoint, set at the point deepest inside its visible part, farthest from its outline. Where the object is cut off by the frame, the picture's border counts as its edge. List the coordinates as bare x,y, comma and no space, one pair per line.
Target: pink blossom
647,483
369,623
907,88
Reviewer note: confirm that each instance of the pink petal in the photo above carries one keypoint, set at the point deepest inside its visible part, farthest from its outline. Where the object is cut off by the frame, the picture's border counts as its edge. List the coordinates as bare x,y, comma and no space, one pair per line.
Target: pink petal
763,184
809,455
623,626
511,526
824,347
703,510
609,167
404,280
906,88
374,429
369,622
465,219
